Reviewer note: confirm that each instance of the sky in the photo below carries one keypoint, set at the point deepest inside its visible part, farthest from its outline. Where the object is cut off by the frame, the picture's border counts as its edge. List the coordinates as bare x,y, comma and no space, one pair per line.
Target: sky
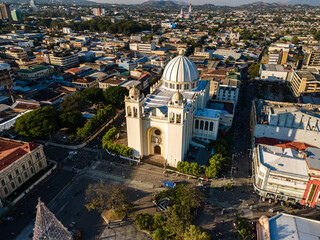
195,2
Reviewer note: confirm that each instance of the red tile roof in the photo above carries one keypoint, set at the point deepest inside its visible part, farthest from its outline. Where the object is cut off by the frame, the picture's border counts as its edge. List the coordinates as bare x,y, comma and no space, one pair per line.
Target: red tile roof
281,143
11,151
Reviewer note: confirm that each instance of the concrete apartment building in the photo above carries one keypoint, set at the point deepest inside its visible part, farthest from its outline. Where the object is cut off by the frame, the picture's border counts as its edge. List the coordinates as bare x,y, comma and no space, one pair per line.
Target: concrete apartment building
312,59
228,90
291,122
16,54
64,60
6,75
304,81
273,73
19,162
35,73
142,47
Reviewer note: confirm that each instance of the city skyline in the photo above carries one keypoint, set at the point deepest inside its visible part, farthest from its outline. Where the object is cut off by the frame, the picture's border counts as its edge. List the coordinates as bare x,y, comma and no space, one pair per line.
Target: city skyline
198,2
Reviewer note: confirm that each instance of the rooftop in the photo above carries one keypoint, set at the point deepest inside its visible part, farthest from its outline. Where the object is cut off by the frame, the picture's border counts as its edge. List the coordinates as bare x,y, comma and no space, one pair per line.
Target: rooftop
283,160
11,151
207,113
272,67
288,227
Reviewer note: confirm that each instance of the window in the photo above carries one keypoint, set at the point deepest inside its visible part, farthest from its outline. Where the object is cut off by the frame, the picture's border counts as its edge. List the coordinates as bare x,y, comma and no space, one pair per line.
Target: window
5,190
211,126
157,132
17,172
201,124
3,182
38,155
19,179
10,177
32,171
197,124
13,185
40,164
23,167
206,125
178,118
129,111
30,163
26,175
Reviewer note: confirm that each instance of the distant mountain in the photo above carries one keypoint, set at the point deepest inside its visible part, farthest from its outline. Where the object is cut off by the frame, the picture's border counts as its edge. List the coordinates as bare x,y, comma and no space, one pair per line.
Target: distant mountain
307,2
264,4
161,3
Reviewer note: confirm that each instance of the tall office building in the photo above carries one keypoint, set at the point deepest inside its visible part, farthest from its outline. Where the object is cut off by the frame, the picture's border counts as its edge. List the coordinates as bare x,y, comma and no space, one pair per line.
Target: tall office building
32,4
16,15
5,11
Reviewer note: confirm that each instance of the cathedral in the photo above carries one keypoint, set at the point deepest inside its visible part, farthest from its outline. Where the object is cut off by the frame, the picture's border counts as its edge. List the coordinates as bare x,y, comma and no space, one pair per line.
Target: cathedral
175,112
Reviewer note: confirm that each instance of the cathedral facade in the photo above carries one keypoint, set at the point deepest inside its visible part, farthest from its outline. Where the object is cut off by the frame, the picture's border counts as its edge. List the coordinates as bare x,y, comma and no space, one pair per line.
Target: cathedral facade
165,121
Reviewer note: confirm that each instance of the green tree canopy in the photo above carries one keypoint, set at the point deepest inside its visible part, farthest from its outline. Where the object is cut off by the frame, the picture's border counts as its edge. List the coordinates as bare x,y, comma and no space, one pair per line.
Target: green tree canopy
114,95
295,40
254,70
93,95
72,120
102,196
38,123
195,233
73,103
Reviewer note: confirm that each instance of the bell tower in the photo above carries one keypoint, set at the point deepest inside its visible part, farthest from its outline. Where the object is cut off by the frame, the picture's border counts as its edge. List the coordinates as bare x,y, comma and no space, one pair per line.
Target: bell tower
134,112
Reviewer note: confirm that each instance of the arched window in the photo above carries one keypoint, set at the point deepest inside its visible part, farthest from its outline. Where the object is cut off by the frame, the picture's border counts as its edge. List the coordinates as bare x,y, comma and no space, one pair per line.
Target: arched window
206,125
178,118
201,124
129,111
135,112
171,117
211,126
197,124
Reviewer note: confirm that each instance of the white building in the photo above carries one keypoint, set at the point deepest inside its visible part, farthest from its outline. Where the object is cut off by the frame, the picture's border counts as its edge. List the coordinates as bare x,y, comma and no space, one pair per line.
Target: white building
66,30
273,72
228,90
164,122
280,173
286,121
142,47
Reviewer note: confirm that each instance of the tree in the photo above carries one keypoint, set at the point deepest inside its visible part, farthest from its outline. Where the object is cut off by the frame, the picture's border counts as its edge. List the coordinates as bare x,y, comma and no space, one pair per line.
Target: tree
72,120
93,95
254,70
159,234
101,196
195,233
114,95
144,221
176,222
158,221
217,164
73,103
316,36
295,40
38,123
109,136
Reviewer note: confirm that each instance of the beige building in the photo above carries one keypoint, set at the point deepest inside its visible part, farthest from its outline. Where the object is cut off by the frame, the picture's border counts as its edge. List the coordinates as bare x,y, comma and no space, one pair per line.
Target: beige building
16,54
19,161
312,58
6,75
304,81
64,60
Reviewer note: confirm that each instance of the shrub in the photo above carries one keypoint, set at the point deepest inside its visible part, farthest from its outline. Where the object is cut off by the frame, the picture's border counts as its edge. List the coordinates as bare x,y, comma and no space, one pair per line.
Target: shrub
189,168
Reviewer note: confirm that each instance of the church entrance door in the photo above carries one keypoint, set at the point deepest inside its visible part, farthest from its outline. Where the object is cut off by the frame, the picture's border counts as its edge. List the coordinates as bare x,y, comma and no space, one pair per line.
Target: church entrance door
157,149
